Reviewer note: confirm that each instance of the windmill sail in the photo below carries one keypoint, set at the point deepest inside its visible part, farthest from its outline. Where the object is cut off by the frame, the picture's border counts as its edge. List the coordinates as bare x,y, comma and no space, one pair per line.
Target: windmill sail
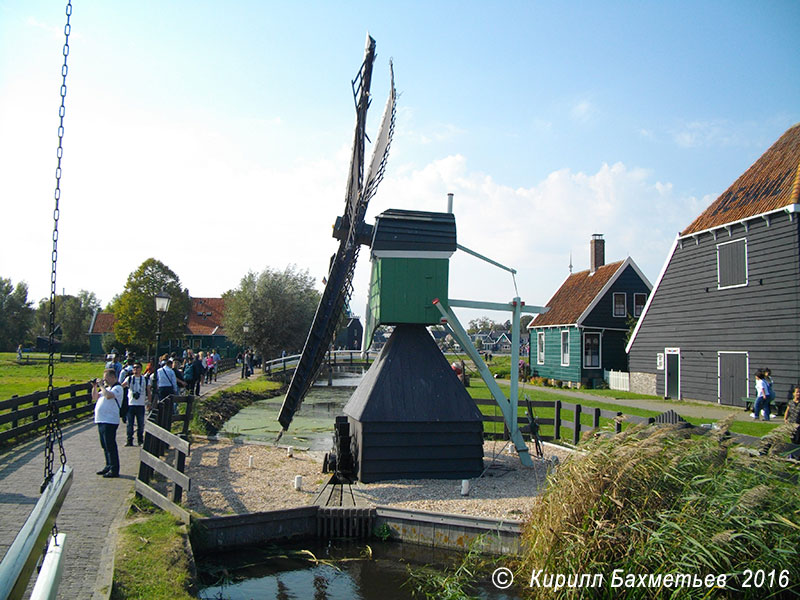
340,277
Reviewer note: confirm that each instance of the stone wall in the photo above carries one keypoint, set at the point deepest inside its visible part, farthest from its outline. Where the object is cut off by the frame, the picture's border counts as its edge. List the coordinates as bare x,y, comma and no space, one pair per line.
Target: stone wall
643,383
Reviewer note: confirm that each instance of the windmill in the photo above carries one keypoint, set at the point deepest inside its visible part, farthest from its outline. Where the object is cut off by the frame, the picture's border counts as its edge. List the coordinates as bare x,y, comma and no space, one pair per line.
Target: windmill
350,230
410,417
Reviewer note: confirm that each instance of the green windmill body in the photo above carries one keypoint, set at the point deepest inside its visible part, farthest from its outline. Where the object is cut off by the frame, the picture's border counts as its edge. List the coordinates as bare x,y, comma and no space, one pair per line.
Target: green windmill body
410,254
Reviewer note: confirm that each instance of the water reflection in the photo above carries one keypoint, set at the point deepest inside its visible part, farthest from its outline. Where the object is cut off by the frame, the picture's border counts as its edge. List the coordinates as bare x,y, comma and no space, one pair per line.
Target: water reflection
329,571
312,425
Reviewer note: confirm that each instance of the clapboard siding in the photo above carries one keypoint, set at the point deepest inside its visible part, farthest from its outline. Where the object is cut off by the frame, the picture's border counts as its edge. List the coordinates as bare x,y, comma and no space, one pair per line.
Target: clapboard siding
552,367
762,318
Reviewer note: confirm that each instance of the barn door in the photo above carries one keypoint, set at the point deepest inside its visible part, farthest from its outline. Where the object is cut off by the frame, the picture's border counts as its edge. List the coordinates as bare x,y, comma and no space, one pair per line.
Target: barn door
732,378
672,373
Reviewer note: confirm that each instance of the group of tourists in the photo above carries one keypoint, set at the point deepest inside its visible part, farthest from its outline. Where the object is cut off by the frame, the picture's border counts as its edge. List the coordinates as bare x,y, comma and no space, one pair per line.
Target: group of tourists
127,391
764,394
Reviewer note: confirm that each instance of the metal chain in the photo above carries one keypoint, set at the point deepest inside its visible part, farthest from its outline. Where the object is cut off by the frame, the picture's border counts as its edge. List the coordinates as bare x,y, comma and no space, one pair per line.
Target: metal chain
53,426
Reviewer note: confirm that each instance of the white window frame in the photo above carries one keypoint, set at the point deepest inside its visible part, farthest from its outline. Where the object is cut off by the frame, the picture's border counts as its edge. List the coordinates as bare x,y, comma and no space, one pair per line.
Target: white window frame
746,266
540,347
564,347
599,350
641,310
624,305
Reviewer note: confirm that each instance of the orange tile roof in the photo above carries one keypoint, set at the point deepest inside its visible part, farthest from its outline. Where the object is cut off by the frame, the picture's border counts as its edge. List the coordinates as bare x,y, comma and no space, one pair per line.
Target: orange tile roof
104,323
772,182
574,295
205,317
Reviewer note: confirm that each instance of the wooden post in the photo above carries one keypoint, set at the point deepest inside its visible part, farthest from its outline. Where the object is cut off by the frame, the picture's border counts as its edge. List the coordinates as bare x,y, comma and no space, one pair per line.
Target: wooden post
15,422
596,418
576,433
618,425
557,421
180,464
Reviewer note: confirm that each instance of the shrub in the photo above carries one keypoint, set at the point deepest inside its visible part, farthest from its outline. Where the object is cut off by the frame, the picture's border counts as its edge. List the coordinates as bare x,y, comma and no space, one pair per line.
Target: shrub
655,500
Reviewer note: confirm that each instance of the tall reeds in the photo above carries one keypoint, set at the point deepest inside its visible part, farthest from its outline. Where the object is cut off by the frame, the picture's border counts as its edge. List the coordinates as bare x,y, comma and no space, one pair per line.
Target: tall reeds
657,500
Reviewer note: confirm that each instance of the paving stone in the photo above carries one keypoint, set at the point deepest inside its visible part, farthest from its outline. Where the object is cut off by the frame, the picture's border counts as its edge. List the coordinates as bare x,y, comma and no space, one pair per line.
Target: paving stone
92,505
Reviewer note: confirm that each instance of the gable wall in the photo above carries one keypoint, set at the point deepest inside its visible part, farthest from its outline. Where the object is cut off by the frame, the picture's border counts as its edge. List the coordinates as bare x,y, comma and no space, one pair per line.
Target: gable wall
602,315
690,313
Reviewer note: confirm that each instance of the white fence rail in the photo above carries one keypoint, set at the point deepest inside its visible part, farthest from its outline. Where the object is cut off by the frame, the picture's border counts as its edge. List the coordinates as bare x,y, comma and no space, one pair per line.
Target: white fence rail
619,380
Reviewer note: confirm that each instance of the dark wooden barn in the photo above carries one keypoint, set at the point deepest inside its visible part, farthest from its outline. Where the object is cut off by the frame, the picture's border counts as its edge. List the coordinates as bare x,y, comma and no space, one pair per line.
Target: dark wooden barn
727,301
411,418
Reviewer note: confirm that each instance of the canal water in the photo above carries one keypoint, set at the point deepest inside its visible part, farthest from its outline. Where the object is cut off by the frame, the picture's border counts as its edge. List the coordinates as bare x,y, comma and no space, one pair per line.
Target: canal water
332,571
312,425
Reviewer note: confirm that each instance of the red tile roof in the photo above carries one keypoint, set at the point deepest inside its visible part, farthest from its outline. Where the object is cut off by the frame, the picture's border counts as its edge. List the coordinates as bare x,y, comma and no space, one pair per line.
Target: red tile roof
205,317
772,182
104,323
575,295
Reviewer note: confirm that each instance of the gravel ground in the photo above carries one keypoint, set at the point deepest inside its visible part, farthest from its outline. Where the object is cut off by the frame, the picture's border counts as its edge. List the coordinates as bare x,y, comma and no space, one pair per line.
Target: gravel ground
223,482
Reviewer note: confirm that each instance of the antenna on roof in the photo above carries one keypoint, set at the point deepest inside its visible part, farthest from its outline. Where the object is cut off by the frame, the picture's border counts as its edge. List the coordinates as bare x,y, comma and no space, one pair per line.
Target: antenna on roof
570,262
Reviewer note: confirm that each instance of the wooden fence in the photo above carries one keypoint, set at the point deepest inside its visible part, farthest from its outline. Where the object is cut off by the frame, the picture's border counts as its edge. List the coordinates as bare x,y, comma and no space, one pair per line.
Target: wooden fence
29,413
159,439
559,422
619,380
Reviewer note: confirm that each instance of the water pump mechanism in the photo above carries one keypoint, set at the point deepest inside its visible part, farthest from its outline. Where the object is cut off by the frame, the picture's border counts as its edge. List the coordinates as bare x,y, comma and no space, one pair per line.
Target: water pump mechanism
340,461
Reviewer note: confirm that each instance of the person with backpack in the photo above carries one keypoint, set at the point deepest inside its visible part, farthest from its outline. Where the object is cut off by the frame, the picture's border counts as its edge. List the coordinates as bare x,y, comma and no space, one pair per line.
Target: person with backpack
199,372
107,397
167,380
138,390
190,372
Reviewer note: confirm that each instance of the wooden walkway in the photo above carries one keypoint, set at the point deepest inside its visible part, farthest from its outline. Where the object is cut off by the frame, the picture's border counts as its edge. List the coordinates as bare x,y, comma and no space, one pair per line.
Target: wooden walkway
94,508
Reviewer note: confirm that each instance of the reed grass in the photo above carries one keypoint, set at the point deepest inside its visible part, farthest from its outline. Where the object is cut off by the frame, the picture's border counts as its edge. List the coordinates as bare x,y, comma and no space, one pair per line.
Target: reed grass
657,500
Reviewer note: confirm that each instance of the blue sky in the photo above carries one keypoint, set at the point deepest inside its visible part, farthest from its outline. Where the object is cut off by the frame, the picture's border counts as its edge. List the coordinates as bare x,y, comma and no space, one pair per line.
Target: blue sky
216,137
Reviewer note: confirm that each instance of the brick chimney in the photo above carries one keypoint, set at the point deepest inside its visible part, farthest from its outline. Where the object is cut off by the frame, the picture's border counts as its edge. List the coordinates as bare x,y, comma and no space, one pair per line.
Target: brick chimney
597,252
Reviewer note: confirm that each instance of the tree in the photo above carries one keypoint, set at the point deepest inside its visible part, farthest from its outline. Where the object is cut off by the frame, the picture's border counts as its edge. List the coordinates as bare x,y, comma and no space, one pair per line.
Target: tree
73,313
278,308
16,314
524,321
135,307
481,324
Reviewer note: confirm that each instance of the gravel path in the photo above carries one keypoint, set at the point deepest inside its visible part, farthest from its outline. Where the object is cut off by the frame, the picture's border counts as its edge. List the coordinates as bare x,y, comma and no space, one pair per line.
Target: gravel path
223,482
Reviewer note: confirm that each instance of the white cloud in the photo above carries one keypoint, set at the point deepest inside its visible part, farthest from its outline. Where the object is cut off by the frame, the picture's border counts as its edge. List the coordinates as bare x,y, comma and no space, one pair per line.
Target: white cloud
209,203
534,229
712,133
583,111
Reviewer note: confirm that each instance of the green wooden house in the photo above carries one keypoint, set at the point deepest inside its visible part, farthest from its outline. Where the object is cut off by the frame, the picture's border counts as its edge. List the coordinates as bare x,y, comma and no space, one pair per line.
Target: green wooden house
585,330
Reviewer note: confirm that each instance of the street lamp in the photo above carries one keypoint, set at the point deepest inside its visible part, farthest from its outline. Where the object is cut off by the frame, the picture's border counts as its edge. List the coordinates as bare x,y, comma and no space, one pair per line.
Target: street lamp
162,306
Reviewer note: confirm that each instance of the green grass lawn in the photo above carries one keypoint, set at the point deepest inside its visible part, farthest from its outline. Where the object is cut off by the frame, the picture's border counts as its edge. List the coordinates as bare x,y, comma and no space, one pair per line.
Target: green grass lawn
20,380
479,390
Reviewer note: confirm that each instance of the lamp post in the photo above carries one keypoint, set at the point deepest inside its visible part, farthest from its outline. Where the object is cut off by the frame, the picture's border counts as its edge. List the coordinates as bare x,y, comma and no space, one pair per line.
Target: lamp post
162,306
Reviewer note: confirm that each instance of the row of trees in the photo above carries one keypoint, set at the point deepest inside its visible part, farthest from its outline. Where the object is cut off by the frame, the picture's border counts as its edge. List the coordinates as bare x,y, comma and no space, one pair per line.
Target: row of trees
487,324
275,306
21,323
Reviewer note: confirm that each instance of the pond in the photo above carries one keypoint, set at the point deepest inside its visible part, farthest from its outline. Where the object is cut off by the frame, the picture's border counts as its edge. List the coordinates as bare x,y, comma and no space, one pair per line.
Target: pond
330,571
312,426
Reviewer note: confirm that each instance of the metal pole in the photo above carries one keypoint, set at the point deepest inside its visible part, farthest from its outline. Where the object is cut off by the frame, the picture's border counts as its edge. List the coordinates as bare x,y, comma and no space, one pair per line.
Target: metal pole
506,407
514,395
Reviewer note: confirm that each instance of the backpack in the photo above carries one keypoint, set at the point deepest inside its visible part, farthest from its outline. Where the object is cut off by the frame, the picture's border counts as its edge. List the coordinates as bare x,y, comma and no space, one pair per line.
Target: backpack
188,372
123,409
